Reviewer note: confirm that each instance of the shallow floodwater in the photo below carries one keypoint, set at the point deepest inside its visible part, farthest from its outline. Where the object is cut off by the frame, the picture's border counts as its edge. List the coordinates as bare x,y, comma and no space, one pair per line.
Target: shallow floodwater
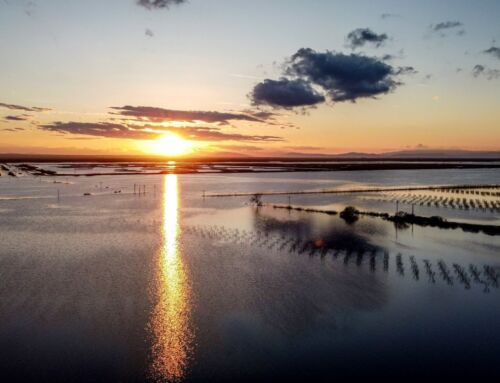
168,285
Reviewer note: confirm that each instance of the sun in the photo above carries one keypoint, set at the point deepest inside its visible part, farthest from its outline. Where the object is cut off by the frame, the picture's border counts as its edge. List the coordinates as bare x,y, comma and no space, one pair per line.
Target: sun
170,145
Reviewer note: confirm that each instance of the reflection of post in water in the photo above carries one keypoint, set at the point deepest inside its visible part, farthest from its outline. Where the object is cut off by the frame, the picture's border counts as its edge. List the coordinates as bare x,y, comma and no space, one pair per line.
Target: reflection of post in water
488,276
170,323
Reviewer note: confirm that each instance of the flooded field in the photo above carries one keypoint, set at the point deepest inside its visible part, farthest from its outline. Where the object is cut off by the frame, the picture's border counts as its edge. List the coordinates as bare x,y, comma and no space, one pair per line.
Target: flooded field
151,277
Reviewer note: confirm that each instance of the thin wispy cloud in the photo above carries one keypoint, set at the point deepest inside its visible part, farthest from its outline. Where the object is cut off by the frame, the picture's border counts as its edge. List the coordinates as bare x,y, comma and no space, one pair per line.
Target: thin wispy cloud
17,118
24,108
385,16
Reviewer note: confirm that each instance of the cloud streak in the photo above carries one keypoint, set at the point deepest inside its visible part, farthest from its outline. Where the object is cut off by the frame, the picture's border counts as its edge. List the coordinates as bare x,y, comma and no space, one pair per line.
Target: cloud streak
24,108
22,117
446,25
443,27
147,132
155,114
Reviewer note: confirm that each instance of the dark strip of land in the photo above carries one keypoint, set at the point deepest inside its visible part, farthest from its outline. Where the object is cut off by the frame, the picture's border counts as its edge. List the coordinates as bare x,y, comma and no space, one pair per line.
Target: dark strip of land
360,190
402,219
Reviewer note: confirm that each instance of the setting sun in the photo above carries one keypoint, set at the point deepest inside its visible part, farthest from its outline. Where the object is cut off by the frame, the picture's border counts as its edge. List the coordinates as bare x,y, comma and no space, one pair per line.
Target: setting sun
170,145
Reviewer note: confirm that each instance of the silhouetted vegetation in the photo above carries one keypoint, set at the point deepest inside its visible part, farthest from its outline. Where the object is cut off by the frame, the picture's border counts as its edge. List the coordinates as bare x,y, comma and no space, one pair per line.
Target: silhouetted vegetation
256,199
350,214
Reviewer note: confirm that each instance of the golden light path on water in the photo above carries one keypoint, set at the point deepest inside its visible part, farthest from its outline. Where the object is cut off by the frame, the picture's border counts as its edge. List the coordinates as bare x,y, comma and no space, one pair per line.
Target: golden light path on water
170,322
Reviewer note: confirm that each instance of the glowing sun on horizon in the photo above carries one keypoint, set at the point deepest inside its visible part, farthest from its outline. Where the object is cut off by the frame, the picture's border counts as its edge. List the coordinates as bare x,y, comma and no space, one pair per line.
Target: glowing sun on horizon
170,145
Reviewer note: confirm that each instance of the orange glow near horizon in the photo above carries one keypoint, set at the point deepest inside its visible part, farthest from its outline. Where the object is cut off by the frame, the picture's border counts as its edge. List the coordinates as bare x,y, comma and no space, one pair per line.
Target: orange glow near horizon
170,145
170,323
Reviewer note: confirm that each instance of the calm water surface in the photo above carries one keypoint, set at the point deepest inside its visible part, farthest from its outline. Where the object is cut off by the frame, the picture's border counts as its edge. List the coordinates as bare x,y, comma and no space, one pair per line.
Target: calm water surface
171,286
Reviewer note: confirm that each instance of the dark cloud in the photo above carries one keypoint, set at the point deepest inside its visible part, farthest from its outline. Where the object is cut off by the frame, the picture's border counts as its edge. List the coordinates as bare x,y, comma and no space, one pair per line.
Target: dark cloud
215,134
345,77
446,26
25,108
160,114
285,93
494,51
146,132
100,129
312,76
22,117
159,4
481,70
361,36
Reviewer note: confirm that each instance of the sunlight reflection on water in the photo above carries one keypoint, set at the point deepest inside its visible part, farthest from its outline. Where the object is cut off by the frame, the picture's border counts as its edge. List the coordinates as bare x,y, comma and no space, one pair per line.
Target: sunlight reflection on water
170,322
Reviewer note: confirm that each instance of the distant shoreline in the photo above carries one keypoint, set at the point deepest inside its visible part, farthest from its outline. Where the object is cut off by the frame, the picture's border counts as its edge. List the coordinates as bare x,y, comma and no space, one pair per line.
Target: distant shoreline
403,156
220,167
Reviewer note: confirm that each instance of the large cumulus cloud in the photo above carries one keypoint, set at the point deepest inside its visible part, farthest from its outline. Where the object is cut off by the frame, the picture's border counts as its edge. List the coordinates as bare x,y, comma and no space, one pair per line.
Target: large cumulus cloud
314,76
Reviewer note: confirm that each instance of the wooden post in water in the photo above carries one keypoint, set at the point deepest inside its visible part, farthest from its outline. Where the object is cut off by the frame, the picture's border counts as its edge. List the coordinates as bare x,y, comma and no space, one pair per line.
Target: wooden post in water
134,188
397,207
58,197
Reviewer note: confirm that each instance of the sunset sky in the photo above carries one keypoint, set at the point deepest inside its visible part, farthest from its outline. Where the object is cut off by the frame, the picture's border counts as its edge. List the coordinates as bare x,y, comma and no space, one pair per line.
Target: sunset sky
248,77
